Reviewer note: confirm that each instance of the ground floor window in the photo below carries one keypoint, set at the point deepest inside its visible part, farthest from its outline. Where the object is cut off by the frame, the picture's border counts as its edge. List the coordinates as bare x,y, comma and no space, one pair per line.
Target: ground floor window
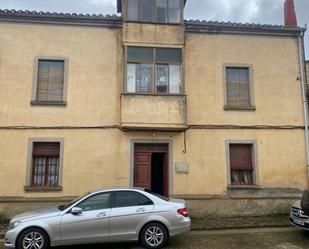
241,164
45,164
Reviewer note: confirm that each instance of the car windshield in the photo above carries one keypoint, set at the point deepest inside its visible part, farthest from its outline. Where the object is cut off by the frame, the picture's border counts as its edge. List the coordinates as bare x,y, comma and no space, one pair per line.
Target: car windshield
65,206
157,195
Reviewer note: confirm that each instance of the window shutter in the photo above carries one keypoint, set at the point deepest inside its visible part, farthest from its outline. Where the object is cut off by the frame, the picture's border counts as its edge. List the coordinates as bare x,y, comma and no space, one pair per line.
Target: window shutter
50,80
241,157
238,88
46,149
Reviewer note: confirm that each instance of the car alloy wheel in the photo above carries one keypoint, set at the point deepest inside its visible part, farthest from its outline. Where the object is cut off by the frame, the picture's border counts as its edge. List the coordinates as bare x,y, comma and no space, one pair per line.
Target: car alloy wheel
154,235
33,238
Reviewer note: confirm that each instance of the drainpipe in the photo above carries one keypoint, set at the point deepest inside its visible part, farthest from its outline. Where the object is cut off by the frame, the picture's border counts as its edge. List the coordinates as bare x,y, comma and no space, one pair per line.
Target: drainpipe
301,56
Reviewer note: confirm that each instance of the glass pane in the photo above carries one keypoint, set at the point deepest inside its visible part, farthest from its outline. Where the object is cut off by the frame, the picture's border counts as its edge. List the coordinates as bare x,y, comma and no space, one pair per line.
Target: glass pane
162,78
133,10
162,11
131,77
96,202
146,10
175,79
144,78
168,55
140,54
130,199
174,11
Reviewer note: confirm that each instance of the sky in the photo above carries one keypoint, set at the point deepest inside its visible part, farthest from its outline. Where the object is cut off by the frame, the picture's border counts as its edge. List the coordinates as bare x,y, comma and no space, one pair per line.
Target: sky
245,11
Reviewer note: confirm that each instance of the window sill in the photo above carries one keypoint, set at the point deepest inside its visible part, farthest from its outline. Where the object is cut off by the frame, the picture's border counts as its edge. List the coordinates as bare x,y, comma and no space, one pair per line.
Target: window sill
236,187
239,108
154,94
48,103
42,189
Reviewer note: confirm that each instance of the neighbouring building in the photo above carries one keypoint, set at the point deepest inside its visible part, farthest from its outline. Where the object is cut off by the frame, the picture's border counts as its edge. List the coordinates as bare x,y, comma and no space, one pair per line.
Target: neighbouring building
206,111
307,71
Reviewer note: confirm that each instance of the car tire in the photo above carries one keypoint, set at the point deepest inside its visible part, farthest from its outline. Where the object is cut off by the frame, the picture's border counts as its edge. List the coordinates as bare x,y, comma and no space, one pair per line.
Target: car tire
153,236
37,236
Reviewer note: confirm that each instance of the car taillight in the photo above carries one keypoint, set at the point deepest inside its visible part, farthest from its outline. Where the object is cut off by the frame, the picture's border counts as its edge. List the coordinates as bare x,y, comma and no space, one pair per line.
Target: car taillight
183,212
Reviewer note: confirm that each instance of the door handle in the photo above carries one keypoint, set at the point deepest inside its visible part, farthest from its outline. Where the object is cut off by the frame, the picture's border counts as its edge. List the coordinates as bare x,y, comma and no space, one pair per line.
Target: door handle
100,215
141,210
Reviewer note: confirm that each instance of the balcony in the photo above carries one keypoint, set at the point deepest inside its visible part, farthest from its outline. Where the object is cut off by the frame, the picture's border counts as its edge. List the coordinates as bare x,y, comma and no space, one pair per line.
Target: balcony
153,112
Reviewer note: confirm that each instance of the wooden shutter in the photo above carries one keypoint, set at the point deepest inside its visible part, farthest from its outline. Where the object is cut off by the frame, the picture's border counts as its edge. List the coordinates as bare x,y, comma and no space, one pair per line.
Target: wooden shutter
50,80
46,149
237,86
241,157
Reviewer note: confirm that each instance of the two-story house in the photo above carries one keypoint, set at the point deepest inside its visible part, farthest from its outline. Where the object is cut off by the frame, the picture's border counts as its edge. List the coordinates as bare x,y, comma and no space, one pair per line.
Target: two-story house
207,111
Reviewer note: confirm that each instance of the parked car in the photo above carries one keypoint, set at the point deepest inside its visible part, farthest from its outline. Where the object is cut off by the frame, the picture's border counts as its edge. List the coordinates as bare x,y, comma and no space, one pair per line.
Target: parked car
298,217
114,215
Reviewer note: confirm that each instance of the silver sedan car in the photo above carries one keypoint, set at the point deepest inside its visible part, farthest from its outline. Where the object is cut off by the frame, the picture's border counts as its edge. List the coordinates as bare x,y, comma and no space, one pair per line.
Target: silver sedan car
114,215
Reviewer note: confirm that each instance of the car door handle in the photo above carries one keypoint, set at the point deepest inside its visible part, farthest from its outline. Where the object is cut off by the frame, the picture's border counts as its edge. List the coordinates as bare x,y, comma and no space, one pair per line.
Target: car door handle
100,215
141,210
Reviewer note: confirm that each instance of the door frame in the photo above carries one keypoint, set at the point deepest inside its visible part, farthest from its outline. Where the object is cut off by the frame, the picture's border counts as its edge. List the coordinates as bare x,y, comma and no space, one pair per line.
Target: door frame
169,142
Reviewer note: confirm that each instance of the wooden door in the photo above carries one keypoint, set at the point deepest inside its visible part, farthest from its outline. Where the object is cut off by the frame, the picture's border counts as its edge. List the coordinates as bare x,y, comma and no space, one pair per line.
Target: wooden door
142,165
142,169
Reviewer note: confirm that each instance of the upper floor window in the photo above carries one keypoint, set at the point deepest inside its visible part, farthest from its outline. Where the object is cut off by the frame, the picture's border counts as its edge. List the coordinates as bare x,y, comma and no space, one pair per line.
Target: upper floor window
154,70
238,88
50,82
156,11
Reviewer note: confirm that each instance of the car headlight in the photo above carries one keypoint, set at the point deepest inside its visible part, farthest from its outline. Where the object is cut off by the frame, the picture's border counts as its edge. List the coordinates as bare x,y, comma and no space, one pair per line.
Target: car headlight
12,225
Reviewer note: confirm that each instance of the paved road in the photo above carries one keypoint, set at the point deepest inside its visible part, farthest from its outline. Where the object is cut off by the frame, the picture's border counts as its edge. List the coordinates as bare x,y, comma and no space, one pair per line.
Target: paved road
278,238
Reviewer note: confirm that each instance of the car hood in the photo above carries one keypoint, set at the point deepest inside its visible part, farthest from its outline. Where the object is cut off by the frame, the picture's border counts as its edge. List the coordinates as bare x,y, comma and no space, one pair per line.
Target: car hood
43,213
297,204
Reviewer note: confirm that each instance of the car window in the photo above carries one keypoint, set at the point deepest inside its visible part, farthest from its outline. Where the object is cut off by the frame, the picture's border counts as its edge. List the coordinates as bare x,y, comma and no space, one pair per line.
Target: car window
95,202
130,199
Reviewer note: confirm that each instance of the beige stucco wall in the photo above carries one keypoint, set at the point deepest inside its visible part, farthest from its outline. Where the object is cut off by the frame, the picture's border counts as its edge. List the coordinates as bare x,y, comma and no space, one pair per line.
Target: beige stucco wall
277,92
94,56
99,158
149,34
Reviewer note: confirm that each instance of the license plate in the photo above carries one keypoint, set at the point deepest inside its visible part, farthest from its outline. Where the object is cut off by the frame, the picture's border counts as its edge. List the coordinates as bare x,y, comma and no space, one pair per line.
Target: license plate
299,222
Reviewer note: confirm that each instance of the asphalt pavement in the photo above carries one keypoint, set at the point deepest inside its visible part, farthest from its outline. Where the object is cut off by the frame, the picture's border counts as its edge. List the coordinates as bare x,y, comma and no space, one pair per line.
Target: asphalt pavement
262,238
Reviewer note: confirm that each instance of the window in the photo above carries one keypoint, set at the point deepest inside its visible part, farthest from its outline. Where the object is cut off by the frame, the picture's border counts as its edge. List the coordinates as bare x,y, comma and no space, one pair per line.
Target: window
238,88
154,70
241,164
95,202
157,11
45,169
130,199
50,81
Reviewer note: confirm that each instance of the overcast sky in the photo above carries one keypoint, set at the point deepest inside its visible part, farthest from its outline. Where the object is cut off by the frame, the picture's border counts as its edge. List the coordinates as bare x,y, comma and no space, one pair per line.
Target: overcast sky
256,11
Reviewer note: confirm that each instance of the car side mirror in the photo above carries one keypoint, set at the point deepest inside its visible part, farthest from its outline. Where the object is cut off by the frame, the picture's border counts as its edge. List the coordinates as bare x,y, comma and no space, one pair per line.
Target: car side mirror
76,211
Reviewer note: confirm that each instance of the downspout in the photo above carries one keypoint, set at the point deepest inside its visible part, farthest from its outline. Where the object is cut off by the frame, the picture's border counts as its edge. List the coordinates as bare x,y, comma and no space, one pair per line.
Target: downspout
301,53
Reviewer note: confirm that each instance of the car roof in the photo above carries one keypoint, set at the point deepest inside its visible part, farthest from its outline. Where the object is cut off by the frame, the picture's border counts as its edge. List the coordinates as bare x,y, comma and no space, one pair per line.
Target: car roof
117,188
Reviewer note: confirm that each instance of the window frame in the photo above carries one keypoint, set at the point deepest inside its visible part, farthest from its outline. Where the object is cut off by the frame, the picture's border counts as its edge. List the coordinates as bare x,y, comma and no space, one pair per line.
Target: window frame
255,173
29,168
34,101
251,106
154,72
154,14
